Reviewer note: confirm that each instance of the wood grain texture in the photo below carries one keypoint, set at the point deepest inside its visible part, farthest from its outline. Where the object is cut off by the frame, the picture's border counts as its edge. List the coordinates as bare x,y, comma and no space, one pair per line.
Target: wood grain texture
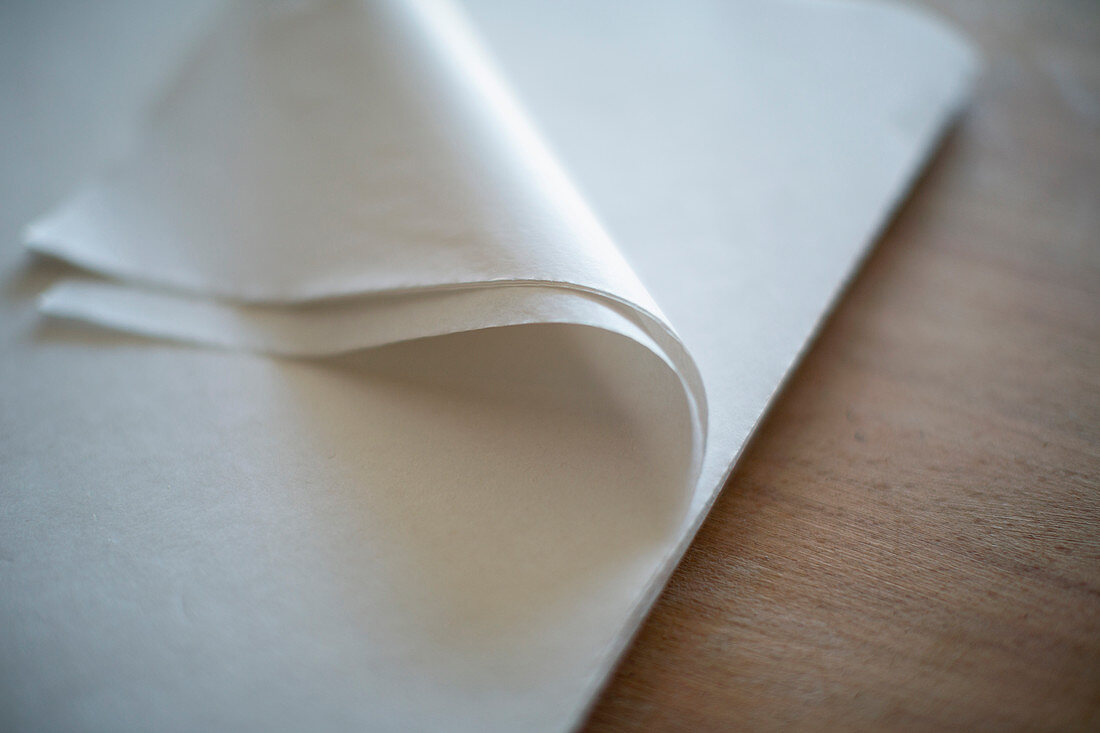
912,541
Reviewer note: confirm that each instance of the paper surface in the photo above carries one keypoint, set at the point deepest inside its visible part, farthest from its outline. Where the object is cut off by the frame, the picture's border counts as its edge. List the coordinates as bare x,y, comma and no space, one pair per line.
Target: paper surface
620,223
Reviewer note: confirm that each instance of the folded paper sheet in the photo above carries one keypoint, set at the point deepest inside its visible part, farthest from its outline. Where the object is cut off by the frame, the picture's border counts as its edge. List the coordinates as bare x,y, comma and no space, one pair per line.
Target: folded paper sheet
621,223
318,150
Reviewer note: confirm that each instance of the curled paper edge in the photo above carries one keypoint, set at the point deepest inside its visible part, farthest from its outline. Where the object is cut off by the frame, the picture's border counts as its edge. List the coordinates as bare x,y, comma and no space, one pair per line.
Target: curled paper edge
566,270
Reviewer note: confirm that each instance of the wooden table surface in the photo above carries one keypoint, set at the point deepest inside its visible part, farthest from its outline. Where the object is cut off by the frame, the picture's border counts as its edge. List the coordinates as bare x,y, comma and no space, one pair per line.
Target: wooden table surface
912,541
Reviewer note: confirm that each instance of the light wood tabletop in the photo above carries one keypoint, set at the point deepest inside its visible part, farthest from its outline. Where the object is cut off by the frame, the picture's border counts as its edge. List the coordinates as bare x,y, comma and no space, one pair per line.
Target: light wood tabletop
912,540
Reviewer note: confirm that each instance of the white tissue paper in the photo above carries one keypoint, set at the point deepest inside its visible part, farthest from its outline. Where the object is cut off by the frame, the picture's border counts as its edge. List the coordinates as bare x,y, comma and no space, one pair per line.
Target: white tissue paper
618,223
